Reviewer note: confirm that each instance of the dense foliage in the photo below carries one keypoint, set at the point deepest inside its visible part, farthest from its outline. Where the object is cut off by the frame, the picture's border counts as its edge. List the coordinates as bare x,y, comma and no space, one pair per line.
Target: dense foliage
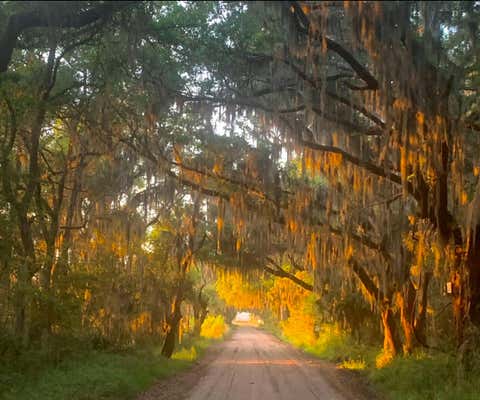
318,161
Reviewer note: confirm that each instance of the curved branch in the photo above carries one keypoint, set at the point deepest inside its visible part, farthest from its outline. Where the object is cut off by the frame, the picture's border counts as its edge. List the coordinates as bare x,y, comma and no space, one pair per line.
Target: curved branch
50,17
280,272
303,25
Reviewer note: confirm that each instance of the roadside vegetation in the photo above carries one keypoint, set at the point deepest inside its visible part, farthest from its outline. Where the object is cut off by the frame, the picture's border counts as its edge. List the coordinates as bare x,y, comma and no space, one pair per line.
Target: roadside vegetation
96,374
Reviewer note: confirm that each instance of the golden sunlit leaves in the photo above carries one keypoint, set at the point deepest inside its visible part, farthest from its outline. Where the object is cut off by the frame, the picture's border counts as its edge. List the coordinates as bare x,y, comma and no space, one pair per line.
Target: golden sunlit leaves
236,290
213,327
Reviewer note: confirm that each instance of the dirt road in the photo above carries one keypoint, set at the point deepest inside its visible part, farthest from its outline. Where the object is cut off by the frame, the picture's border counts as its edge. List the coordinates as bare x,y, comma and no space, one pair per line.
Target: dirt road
254,365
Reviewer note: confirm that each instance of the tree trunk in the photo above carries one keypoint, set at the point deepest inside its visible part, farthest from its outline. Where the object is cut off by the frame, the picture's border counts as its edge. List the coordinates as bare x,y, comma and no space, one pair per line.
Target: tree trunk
459,304
185,259
24,276
46,302
20,305
391,342
420,323
199,315
473,268
173,322
199,312
407,308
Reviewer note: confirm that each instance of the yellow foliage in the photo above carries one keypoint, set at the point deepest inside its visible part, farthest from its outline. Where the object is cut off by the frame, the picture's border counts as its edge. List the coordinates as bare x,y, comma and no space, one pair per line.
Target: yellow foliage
286,293
299,328
237,292
186,354
353,364
214,327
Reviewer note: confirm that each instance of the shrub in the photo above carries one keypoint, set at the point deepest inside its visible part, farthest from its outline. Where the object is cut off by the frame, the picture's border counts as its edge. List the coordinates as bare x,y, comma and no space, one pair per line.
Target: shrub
214,327
299,329
186,354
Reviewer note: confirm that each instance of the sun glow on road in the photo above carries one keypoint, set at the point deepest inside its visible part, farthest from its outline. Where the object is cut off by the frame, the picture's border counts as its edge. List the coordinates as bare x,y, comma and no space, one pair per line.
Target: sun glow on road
279,362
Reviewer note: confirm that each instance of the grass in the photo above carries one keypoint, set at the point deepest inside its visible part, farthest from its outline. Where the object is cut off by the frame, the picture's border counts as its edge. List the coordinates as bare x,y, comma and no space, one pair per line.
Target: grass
425,377
96,375
421,376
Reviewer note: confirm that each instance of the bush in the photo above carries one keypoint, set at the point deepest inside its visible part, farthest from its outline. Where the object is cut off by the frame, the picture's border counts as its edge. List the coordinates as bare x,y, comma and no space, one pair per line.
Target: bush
214,327
299,329
335,344
186,354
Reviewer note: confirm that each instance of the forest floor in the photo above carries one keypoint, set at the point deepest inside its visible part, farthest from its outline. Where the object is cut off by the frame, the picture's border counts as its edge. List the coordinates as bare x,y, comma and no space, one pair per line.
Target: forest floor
254,365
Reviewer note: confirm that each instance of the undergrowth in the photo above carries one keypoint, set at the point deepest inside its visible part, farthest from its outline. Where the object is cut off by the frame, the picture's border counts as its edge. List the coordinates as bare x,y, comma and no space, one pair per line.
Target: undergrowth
94,374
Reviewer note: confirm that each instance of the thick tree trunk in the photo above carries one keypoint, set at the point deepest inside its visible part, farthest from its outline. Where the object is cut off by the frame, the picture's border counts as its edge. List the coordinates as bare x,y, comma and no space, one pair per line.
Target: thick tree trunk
172,332
420,323
407,308
391,341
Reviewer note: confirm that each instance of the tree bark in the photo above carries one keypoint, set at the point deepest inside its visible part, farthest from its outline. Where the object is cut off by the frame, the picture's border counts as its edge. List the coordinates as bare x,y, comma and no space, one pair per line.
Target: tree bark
473,268
420,323
407,309
391,341
173,322
199,313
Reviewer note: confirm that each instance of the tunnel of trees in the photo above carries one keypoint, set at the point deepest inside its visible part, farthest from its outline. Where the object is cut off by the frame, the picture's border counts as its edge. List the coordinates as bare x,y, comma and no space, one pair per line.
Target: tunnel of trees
286,151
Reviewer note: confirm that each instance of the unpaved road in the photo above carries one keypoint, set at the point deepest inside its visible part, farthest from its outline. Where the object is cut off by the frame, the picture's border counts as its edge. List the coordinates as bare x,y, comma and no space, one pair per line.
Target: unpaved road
254,365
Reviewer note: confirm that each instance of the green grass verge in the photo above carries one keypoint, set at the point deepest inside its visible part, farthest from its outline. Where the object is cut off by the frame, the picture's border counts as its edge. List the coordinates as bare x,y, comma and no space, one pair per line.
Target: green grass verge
425,377
97,375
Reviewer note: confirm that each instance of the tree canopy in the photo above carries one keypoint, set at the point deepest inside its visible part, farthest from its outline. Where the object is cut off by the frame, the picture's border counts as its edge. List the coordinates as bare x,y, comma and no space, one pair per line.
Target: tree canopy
296,153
